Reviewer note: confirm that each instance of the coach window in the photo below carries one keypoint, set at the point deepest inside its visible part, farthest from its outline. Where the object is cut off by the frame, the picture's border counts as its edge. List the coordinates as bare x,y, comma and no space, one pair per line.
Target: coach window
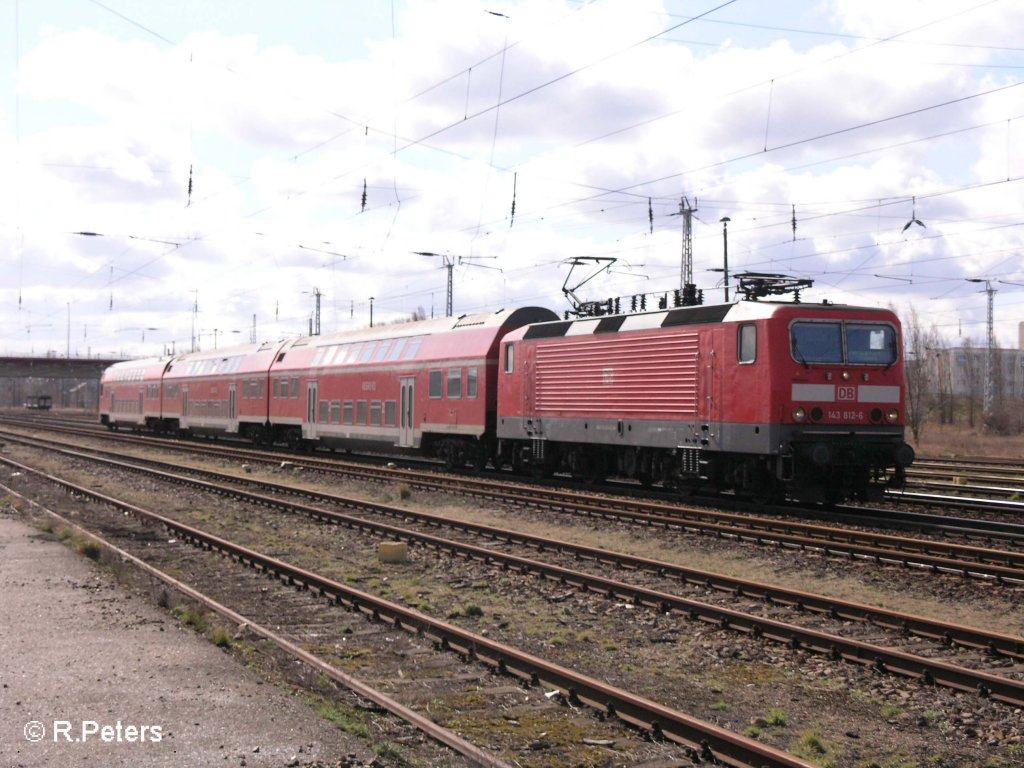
510,358
382,351
262,393
367,351
412,348
396,349
454,383
325,411
390,413
746,347
347,412
361,412
375,413
276,386
295,389
471,383
436,385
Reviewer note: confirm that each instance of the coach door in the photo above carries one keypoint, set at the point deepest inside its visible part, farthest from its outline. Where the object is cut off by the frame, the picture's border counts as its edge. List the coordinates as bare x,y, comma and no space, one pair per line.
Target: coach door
407,411
311,402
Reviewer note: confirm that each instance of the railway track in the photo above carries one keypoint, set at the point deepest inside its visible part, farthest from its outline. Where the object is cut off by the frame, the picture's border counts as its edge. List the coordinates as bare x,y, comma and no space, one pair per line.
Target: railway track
986,485
931,671
978,649
938,556
699,741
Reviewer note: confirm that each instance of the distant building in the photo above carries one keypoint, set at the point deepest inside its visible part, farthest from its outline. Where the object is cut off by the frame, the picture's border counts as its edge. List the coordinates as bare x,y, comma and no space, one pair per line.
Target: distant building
962,370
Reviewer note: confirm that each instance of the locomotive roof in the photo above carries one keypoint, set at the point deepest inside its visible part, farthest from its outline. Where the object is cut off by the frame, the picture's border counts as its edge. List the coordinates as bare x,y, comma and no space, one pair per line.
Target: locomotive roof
678,316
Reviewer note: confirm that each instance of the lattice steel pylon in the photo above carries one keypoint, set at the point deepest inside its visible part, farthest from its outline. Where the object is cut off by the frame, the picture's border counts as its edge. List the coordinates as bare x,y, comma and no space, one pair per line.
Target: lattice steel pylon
449,262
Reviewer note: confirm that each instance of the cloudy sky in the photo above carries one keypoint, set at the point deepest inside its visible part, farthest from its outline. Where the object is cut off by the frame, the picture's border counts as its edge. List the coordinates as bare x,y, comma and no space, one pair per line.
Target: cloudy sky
231,159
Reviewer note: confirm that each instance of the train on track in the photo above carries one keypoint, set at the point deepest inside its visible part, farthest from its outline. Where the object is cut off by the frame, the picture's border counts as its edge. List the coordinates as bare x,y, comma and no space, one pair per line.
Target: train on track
769,399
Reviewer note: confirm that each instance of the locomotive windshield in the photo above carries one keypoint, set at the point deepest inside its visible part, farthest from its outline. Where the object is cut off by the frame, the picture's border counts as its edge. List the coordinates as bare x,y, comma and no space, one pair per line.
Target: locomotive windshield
827,342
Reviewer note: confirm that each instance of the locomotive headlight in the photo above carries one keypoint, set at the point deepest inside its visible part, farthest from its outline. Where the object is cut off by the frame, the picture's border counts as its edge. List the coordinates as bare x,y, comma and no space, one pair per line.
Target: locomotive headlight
799,414
892,415
846,375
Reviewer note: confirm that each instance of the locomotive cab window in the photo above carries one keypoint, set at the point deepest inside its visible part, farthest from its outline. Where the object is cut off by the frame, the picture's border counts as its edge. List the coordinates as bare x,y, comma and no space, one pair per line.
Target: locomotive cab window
817,342
850,343
746,344
870,344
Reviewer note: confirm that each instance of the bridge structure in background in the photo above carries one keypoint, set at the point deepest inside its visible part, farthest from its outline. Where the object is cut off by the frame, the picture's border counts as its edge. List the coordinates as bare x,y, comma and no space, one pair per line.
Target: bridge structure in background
71,382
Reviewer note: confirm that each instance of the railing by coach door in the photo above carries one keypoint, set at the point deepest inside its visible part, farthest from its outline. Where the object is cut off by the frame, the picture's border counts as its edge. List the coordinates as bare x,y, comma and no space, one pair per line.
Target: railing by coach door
407,412
311,405
232,402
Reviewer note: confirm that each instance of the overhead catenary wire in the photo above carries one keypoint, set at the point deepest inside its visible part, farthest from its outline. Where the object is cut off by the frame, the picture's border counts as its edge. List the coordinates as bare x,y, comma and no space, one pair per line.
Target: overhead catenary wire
525,219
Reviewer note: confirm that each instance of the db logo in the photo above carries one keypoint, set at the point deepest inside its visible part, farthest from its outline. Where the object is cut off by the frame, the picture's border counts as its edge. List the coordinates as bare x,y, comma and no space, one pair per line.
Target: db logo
847,393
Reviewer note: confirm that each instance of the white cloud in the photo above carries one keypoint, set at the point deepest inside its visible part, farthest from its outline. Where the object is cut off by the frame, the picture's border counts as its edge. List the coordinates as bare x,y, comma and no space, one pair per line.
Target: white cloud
281,133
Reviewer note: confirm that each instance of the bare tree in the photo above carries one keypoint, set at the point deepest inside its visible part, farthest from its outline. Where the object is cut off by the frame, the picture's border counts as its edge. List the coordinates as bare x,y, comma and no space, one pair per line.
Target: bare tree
921,373
972,378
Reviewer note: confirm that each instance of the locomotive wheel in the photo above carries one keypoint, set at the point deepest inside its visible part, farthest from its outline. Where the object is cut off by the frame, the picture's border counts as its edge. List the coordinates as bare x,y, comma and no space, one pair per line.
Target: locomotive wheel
587,466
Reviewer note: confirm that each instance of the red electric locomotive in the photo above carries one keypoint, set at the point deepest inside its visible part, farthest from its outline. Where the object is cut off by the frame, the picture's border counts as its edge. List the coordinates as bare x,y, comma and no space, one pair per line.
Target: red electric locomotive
762,397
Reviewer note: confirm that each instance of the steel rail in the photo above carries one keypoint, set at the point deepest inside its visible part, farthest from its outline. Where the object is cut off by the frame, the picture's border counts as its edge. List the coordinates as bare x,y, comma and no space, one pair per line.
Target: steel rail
435,731
702,740
941,556
839,648
945,632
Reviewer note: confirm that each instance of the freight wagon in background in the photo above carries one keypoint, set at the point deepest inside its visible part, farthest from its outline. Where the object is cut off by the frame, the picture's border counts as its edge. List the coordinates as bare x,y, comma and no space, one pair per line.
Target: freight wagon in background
769,399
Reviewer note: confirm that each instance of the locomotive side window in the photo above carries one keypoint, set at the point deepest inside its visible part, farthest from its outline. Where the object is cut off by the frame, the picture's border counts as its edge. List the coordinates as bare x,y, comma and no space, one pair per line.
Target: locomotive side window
472,383
454,383
746,346
817,342
436,385
871,344
510,358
